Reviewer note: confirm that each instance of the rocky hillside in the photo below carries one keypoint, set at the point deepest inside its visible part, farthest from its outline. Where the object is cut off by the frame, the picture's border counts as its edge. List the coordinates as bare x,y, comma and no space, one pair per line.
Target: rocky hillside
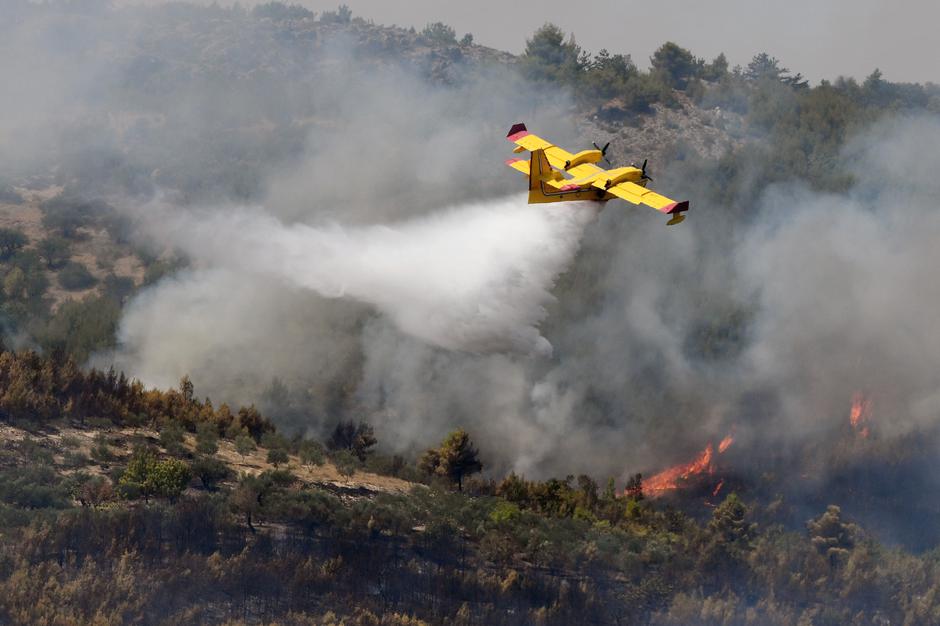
668,132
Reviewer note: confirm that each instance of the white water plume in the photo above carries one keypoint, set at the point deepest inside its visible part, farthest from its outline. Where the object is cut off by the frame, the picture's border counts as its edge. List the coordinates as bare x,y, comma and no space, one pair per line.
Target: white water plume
473,278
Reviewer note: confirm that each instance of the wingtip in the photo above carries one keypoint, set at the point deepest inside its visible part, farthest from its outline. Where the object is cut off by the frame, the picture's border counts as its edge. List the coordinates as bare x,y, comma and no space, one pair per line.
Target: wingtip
676,210
676,207
518,131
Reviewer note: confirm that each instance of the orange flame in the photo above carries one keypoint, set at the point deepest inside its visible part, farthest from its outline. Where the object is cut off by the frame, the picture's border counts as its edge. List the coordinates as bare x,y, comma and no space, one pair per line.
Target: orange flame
670,478
721,483
860,414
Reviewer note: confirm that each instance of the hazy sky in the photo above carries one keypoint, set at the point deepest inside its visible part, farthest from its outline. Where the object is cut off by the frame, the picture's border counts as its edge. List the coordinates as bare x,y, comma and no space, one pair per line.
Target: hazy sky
821,39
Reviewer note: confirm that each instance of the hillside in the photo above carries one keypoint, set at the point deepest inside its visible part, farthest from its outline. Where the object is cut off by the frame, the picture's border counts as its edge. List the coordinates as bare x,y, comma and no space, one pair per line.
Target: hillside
93,247
665,133
75,449
284,344
169,526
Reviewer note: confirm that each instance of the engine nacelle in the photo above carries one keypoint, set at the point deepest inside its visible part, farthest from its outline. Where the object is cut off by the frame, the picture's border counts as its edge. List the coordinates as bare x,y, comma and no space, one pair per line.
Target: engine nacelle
623,175
585,156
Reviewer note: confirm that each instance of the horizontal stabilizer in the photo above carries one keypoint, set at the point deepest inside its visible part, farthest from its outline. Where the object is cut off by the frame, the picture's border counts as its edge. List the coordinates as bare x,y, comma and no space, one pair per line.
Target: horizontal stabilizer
518,164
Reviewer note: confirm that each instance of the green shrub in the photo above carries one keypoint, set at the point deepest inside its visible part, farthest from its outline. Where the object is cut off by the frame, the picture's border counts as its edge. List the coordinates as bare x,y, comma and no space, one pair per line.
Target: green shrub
75,277
70,441
207,438
504,513
244,444
73,459
66,214
277,456
26,282
80,328
101,450
279,477
10,242
36,451
32,487
210,471
311,453
119,287
272,439
346,463
147,476
385,465
54,251
171,437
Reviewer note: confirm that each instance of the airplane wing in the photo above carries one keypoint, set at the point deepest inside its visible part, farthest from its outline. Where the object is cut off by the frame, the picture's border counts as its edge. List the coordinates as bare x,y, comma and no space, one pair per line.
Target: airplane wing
527,141
637,194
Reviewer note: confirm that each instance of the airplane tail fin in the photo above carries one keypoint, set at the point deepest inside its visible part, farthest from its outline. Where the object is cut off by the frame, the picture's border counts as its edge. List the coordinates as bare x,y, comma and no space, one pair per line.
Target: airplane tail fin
539,167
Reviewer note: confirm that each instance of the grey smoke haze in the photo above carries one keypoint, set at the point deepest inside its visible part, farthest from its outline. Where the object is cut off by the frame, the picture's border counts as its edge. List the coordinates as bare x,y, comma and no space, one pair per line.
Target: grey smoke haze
329,208
838,286
823,40
847,284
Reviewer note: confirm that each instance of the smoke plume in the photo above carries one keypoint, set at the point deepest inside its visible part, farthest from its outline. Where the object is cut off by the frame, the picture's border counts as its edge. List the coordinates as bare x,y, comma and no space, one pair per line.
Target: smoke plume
844,282
351,232
475,278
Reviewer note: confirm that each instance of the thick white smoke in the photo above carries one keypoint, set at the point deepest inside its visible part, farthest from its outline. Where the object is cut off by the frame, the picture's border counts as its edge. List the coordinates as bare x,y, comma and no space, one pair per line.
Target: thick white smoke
475,278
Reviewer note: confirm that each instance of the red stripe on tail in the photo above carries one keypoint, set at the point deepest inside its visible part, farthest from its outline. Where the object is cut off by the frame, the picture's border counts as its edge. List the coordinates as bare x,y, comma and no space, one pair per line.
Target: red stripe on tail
517,132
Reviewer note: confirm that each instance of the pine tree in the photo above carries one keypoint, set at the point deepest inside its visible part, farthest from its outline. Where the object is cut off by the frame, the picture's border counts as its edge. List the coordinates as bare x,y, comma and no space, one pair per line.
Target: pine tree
456,458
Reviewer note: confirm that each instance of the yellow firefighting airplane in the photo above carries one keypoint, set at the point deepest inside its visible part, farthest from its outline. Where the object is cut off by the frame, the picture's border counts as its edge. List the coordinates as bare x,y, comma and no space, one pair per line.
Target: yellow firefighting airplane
556,175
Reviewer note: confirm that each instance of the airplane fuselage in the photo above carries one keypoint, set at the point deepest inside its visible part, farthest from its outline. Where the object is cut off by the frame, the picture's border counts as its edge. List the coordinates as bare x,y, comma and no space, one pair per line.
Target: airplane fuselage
556,175
590,187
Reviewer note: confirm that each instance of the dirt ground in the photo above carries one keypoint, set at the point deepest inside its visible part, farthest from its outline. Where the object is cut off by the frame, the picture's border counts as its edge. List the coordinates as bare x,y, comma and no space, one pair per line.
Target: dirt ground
121,443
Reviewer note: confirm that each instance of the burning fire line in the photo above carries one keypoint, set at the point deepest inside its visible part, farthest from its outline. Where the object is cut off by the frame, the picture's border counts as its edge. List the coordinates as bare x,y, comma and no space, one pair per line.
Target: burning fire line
860,414
703,464
721,483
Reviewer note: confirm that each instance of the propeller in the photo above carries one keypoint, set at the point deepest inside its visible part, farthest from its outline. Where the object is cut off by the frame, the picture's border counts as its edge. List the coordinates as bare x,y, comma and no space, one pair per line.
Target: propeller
643,174
603,151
